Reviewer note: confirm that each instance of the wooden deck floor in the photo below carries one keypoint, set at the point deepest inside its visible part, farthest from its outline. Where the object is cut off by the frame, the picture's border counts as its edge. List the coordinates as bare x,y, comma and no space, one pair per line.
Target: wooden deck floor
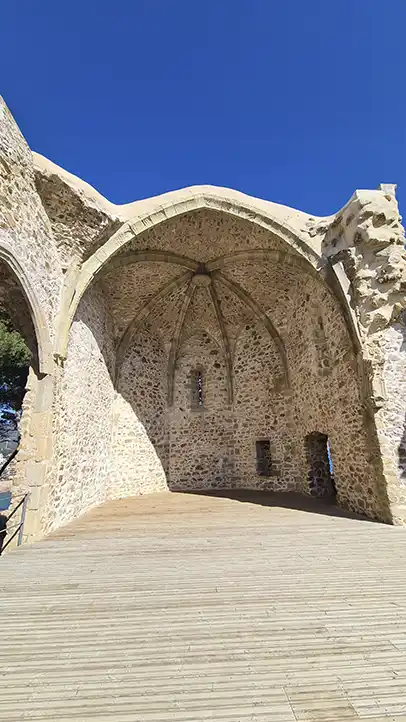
184,608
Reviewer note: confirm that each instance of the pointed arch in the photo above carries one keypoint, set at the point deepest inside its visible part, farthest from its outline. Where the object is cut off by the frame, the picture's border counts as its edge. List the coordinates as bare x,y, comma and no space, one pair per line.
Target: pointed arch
260,315
45,357
224,200
173,354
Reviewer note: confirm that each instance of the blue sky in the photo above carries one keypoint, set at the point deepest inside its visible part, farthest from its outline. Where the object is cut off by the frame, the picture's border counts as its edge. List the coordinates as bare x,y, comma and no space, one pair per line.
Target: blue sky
299,102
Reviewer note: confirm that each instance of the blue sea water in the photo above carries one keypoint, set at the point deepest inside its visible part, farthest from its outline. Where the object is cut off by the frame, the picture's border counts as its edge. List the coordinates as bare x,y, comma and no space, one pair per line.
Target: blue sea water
5,499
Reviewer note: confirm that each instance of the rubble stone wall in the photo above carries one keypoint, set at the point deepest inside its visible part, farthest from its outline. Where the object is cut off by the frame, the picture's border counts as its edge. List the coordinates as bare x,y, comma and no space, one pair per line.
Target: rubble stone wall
326,398
83,415
391,417
201,448
262,411
24,224
140,440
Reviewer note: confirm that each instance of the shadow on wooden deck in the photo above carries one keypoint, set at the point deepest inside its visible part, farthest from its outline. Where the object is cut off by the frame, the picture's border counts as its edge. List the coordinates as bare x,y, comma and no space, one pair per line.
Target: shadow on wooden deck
284,500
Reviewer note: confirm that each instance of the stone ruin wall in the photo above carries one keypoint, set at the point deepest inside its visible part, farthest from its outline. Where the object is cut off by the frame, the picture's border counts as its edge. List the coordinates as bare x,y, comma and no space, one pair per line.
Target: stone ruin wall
140,441
367,237
262,411
80,225
326,398
153,446
325,393
202,443
191,448
28,258
83,409
391,417
24,224
215,447
51,227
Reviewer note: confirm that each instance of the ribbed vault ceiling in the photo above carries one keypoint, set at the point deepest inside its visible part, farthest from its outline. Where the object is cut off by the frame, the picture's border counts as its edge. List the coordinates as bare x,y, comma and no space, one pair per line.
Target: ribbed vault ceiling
181,303
203,272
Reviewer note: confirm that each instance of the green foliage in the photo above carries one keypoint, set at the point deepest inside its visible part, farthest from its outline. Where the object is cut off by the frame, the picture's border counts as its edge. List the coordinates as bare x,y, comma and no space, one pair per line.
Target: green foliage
14,360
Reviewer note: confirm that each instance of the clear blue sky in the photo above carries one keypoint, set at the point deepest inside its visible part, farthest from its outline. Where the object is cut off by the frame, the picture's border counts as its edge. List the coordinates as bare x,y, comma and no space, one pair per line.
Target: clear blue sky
296,101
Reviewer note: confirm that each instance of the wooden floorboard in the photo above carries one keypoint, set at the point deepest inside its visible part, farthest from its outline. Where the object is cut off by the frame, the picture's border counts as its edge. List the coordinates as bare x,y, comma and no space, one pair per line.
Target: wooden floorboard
184,608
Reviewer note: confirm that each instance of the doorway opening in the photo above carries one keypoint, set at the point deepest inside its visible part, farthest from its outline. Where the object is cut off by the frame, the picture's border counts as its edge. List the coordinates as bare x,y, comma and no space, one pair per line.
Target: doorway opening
264,458
320,472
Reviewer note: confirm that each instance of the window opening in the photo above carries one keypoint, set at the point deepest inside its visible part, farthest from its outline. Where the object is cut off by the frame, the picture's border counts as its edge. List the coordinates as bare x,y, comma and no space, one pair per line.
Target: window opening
264,460
197,389
330,458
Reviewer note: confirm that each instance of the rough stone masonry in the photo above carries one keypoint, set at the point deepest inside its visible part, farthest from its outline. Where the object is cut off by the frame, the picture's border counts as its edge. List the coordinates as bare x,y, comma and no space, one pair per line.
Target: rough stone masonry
202,339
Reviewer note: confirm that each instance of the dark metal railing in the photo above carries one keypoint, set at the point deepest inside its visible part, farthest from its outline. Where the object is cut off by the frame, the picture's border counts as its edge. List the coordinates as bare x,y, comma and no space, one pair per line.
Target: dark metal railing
7,461
19,528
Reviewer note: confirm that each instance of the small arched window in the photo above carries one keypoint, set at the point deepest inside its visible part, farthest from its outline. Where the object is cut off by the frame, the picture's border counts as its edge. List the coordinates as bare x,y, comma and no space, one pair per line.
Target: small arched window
197,397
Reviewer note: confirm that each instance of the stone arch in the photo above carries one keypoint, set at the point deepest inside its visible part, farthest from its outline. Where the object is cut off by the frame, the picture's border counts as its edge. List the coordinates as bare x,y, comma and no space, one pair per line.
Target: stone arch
183,202
28,470
299,254
123,249
44,345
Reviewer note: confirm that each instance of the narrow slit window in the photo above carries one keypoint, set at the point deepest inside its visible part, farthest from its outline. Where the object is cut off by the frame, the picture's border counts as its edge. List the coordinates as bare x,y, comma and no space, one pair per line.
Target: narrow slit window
264,460
197,389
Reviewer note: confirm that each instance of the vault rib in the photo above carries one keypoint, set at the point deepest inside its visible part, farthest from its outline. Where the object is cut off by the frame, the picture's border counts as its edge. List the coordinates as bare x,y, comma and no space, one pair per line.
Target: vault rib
225,340
260,314
261,254
147,256
145,311
173,354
